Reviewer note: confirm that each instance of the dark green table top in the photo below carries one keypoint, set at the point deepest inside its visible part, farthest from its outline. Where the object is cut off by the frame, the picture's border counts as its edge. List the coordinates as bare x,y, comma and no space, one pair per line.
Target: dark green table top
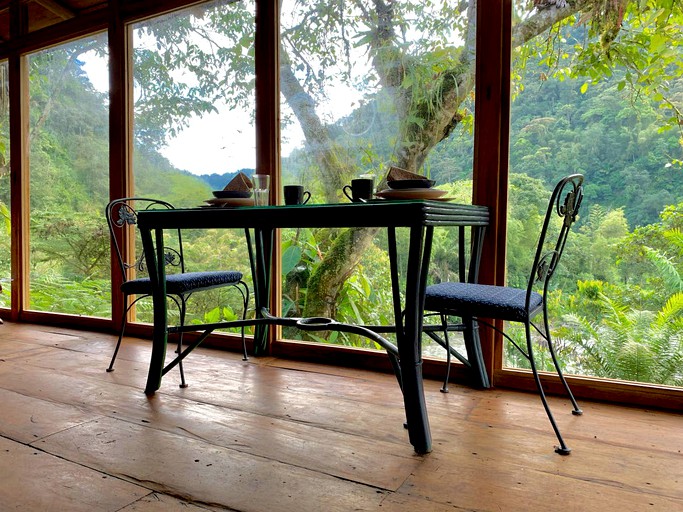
380,213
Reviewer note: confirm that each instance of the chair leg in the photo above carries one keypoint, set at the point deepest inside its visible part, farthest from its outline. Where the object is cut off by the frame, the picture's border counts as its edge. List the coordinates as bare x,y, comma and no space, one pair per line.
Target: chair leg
444,324
576,411
183,384
563,449
474,353
118,343
245,297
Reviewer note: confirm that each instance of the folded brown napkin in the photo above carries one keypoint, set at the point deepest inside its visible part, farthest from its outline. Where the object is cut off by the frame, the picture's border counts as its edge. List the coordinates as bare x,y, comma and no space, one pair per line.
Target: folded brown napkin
396,173
240,183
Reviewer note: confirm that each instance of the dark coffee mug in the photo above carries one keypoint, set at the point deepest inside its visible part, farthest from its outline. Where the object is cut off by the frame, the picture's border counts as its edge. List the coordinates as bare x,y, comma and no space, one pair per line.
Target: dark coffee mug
295,194
361,189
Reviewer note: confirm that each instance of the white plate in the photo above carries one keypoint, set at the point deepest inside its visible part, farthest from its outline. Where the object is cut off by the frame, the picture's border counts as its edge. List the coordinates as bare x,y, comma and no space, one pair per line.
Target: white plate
411,193
231,201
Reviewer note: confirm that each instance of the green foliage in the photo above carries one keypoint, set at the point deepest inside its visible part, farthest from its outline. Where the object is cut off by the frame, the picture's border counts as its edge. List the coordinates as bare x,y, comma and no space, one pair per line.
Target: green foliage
221,314
75,242
620,137
365,297
629,344
612,333
616,306
53,292
185,65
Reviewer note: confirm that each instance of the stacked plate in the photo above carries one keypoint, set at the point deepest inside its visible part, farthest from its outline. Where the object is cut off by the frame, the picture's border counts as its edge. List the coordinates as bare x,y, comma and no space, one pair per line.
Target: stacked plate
231,198
412,189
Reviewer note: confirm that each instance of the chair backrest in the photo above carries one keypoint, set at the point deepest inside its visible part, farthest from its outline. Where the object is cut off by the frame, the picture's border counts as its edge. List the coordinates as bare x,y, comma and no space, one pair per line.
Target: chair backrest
122,214
565,202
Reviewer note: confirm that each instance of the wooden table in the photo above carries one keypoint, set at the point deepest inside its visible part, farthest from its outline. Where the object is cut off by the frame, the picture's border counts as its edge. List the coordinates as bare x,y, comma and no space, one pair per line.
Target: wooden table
260,223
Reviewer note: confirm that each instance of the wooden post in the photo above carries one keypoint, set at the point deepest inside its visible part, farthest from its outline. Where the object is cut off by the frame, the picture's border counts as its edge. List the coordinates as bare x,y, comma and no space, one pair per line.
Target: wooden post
491,146
120,137
267,43
19,163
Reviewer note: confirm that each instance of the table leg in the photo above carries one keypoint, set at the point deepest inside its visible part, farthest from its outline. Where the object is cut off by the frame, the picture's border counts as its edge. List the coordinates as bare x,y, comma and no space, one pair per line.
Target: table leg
157,275
260,257
408,333
480,377
471,333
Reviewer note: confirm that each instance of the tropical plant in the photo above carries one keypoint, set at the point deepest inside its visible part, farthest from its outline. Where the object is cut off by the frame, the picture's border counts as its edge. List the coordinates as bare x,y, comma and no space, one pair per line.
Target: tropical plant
609,334
630,344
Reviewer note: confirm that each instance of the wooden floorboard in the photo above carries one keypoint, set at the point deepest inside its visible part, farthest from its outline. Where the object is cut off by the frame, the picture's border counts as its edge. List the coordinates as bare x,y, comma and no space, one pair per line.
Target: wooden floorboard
277,435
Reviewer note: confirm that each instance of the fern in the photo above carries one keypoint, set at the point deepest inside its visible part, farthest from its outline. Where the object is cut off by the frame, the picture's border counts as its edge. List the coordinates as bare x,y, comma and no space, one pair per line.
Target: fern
630,344
666,267
672,309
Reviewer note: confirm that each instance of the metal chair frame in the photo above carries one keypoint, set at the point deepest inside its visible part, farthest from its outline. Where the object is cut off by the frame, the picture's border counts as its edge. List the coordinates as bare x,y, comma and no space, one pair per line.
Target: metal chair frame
565,201
121,214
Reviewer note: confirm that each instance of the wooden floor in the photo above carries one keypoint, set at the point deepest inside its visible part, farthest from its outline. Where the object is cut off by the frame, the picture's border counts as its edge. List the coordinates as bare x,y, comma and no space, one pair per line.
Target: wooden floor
275,435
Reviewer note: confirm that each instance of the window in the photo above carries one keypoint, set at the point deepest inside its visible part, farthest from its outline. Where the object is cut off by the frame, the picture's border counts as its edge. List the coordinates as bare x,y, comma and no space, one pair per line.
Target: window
614,307
356,99
5,230
194,102
364,89
69,169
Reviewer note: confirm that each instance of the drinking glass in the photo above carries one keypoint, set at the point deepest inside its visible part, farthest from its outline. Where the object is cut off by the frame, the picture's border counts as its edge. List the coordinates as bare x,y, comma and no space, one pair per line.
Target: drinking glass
261,184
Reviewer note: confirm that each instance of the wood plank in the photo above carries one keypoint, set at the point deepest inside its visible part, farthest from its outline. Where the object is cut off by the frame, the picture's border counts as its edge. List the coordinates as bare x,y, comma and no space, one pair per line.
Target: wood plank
31,479
19,350
318,437
510,449
610,423
309,398
157,502
407,503
26,418
362,458
11,331
57,8
205,473
482,483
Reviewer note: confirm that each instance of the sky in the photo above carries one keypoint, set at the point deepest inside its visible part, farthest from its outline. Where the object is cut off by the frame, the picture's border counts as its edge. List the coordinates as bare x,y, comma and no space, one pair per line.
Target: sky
216,143
225,141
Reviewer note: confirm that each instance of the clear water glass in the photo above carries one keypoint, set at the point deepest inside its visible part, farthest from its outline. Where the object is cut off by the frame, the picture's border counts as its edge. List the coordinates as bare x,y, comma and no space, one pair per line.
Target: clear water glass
261,184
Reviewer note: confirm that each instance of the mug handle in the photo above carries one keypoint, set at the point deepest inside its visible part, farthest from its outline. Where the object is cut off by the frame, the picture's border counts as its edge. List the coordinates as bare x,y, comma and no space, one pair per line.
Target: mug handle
307,196
346,193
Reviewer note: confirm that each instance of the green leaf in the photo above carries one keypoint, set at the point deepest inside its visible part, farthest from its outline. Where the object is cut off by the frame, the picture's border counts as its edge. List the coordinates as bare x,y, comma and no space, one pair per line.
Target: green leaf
290,258
213,316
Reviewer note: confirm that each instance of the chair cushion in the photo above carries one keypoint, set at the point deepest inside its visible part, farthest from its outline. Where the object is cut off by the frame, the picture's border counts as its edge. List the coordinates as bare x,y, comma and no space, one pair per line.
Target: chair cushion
179,284
481,300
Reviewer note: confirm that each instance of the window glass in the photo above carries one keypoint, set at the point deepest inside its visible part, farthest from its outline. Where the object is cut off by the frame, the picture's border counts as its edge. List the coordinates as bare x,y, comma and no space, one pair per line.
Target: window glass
194,102
69,169
599,93
5,242
364,88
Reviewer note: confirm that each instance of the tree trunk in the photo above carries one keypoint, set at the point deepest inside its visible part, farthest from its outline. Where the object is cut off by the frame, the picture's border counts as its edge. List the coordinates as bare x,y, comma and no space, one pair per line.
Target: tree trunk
334,167
326,282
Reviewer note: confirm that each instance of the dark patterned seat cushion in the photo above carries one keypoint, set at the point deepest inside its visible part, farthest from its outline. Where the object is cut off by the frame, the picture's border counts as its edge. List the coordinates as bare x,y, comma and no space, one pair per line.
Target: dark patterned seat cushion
179,284
480,300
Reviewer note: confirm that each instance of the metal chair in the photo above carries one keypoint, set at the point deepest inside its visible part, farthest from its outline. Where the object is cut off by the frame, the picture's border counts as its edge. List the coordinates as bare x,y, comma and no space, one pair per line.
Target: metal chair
468,259
474,302
121,214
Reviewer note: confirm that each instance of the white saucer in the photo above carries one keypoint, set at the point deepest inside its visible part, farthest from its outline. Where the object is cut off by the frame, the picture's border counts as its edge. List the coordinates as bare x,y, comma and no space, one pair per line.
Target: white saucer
231,201
411,193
